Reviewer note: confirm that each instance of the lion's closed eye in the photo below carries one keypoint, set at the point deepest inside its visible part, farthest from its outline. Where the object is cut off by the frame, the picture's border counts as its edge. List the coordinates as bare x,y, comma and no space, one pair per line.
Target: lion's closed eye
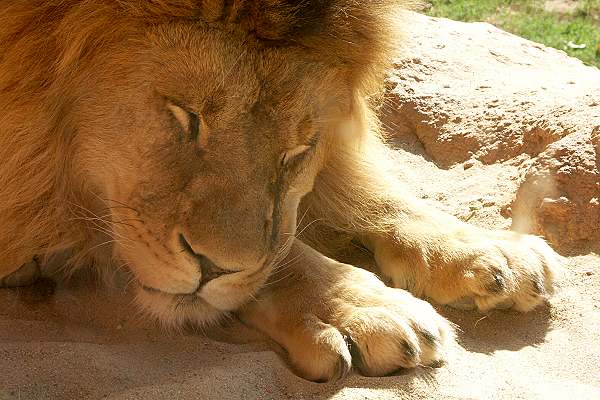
294,153
297,154
190,123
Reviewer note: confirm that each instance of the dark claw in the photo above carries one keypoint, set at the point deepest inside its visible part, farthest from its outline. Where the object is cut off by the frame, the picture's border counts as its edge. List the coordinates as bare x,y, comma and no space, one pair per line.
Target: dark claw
437,364
499,284
357,358
429,338
342,369
538,288
409,350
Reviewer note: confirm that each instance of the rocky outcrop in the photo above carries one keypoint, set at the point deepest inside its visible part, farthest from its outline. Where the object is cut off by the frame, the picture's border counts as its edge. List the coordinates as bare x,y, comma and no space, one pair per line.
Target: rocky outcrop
474,92
560,194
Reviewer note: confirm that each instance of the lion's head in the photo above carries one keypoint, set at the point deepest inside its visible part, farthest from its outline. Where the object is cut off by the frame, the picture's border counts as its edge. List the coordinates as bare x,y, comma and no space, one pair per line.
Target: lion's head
179,136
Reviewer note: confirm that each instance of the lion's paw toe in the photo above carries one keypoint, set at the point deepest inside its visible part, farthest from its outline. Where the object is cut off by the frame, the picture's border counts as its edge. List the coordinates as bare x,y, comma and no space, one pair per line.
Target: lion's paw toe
321,353
403,334
516,271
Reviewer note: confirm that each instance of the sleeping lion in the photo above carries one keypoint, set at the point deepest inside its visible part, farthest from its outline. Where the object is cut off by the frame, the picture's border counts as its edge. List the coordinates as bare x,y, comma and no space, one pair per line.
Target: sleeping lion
188,139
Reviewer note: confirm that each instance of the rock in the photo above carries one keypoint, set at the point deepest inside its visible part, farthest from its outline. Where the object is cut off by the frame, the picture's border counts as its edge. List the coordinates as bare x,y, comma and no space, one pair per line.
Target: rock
471,93
469,164
559,196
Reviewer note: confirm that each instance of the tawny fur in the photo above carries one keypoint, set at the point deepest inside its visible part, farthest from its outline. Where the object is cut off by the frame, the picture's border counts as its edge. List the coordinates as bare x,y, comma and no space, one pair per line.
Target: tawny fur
47,48
93,164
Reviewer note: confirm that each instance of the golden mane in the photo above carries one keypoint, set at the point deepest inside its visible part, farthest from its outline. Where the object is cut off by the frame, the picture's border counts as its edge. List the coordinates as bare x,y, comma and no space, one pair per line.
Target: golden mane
46,46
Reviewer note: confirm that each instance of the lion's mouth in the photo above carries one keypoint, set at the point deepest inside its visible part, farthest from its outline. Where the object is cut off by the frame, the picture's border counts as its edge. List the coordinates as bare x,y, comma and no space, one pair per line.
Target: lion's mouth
209,272
150,289
217,288
179,298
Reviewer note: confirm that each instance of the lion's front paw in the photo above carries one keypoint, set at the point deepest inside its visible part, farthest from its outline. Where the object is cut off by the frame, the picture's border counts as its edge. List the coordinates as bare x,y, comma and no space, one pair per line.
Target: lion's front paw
511,270
476,268
352,320
395,331
379,334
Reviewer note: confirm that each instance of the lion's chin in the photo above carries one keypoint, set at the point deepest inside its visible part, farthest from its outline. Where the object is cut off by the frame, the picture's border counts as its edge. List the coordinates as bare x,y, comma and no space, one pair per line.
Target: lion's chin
206,306
174,311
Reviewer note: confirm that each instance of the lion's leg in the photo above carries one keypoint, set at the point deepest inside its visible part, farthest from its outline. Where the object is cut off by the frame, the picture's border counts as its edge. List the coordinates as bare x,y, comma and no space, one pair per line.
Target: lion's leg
451,262
329,316
430,253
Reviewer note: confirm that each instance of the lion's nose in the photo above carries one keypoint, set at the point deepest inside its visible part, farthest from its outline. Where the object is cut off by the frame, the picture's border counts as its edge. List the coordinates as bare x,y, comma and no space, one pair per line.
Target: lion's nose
208,269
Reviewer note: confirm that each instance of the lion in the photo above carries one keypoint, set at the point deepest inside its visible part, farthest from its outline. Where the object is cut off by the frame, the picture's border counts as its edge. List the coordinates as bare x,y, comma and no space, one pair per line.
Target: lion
186,140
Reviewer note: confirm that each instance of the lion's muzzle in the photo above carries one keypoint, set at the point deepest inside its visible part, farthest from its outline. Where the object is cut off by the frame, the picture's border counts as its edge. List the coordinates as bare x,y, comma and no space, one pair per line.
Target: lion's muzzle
208,269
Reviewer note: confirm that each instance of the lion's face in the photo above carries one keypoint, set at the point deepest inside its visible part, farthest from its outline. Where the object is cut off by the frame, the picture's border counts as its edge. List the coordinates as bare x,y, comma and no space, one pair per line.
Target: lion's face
201,144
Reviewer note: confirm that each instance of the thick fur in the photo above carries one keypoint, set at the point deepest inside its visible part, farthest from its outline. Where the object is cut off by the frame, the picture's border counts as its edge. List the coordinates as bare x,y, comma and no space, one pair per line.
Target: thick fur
47,48
98,161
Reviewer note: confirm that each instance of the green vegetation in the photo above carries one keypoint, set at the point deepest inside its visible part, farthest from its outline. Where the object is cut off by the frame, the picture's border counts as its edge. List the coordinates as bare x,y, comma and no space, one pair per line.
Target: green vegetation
564,25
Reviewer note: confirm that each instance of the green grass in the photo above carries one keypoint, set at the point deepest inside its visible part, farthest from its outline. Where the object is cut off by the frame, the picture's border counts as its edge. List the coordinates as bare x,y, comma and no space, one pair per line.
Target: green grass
529,19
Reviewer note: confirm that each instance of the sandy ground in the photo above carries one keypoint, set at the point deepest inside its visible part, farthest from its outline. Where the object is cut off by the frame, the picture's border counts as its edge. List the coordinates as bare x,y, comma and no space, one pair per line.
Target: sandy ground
81,342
